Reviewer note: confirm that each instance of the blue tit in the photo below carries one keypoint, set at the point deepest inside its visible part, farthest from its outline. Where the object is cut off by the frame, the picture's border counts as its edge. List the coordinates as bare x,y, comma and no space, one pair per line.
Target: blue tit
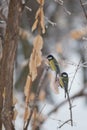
63,81
53,64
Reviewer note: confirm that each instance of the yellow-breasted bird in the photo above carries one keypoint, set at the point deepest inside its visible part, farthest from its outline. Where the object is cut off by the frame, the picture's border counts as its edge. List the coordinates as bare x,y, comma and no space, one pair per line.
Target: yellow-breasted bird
53,64
63,81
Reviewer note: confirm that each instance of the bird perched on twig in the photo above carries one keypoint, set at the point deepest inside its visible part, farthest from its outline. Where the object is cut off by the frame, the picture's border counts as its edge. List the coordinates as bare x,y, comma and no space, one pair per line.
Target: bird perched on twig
53,64
63,81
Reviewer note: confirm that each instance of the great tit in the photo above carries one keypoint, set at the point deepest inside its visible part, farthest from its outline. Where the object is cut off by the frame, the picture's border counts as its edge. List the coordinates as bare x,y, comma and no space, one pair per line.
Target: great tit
53,64
63,81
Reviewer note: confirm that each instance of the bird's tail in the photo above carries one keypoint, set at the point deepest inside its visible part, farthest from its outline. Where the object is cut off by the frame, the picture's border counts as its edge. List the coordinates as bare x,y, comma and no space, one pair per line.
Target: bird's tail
65,92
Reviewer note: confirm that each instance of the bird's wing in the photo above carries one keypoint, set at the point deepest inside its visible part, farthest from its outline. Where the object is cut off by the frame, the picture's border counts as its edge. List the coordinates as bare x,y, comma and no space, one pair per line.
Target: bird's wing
57,66
61,82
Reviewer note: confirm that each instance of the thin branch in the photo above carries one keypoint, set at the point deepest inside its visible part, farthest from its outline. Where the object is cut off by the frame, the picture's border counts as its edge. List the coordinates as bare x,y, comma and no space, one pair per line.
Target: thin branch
49,21
28,8
74,75
64,123
77,95
70,108
82,5
42,109
61,2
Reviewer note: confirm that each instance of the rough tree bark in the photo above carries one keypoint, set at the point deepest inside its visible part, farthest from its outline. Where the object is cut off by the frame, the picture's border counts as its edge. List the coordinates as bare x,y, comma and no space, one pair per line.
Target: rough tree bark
7,64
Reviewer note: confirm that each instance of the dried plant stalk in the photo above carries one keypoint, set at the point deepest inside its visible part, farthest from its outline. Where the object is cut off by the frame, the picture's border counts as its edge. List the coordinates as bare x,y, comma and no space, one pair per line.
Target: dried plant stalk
36,57
27,88
34,119
41,2
39,18
26,114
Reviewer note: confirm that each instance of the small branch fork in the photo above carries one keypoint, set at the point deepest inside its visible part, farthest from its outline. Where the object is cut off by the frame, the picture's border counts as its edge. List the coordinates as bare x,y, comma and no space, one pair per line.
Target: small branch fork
64,123
81,93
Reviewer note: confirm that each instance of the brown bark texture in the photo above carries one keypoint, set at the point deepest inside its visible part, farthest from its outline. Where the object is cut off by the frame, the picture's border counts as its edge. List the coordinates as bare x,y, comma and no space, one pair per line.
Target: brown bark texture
7,64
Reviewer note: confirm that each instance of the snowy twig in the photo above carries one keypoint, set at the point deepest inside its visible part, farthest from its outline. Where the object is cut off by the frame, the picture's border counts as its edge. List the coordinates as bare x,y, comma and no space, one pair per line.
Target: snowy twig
70,108
82,5
60,2
49,21
74,75
64,123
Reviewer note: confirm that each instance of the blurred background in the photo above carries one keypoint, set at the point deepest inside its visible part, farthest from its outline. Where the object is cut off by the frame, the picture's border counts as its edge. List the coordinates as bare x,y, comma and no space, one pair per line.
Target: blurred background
66,39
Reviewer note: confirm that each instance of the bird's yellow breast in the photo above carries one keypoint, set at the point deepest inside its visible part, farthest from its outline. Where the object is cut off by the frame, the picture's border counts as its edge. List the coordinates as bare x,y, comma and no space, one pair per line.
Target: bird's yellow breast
61,82
52,65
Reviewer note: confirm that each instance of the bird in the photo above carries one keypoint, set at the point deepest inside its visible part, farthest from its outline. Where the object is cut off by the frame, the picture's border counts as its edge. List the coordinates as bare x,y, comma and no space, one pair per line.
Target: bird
63,82
53,64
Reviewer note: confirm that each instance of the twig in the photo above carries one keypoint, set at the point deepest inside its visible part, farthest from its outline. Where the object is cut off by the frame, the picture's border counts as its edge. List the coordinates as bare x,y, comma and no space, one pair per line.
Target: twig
28,8
42,109
49,21
74,75
82,5
70,108
60,2
36,96
78,94
59,120
64,123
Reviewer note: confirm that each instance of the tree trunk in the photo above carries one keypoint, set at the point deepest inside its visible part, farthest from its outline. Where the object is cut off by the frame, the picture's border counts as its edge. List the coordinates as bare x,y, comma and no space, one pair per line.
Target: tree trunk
7,64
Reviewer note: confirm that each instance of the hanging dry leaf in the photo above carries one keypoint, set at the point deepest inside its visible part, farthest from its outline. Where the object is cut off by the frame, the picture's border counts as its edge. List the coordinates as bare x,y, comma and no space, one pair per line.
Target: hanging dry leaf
26,114
38,43
32,65
15,114
35,25
39,20
36,21
41,2
42,21
39,58
37,14
36,56
27,86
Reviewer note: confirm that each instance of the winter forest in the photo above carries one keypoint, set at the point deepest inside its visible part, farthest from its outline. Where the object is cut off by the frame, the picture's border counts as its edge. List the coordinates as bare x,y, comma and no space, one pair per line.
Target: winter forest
43,56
